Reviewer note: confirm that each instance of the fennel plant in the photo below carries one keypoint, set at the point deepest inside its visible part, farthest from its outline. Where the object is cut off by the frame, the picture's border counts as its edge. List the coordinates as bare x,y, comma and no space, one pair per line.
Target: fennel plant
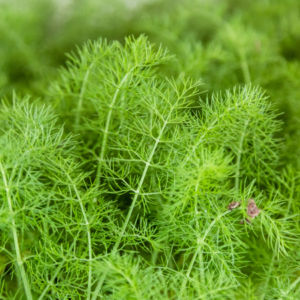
128,179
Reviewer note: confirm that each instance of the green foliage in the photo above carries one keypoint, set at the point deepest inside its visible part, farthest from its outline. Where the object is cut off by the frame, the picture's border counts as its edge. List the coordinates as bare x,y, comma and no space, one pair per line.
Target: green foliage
115,182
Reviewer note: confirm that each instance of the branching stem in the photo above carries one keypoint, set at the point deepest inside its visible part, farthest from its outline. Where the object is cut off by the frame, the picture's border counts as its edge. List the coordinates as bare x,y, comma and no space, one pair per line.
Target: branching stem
265,287
117,244
81,95
55,274
89,239
238,158
198,250
15,236
245,67
108,120
290,198
201,265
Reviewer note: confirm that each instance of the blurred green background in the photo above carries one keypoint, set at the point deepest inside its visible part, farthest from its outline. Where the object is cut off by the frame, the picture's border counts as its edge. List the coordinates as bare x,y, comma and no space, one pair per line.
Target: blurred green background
225,42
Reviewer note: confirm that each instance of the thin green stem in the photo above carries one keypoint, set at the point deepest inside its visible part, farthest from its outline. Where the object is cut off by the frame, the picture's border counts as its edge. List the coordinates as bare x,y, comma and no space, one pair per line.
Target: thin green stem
238,158
15,236
192,262
274,253
81,95
108,120
265,288
293,284
201,265
187,275
89,239
290,198
245,69
137,192
154,255
190,153
55,273
18,274
200,139
291,287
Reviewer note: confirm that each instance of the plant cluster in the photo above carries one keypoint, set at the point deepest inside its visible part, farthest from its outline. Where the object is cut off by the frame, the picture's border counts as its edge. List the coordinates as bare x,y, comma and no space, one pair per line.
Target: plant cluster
132,176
